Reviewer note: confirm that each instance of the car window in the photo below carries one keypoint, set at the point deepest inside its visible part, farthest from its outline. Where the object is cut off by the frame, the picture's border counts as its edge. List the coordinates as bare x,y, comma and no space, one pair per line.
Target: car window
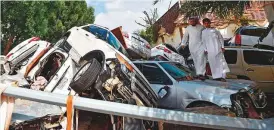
185,69
170,47
106,36
99,32
237,31
113,41
259,57
153,73
231,56
174,71
253,32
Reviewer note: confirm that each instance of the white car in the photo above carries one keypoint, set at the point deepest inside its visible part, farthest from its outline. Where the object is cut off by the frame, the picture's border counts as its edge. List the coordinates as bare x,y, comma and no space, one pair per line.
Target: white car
136,46
249,36
21,55
167,51
94,48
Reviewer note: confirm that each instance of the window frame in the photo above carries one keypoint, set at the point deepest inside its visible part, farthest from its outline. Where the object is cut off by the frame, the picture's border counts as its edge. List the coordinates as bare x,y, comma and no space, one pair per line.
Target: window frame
233,60
170,82
260,64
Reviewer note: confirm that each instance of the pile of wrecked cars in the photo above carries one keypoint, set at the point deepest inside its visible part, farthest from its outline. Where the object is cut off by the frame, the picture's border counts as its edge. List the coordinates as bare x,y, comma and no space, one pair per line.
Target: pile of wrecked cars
91,61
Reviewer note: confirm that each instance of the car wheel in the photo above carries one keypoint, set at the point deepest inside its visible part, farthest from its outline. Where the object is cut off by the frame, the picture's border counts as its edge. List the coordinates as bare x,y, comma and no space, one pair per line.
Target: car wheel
86,76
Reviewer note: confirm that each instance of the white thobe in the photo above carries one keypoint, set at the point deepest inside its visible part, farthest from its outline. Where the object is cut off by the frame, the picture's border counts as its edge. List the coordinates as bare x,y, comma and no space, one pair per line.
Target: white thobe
213,42
193,37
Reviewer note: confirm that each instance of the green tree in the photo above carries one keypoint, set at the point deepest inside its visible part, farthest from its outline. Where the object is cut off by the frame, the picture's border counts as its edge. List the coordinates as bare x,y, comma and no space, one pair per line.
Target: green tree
46,19
147,34
222,9
149,21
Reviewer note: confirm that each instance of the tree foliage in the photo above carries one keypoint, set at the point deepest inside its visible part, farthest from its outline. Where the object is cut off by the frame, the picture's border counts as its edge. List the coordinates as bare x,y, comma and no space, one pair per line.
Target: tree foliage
149,20
222,9
47,19
147,34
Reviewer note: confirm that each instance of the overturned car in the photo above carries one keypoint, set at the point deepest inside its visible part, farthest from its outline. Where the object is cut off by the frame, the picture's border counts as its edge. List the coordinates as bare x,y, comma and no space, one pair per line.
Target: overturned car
91,62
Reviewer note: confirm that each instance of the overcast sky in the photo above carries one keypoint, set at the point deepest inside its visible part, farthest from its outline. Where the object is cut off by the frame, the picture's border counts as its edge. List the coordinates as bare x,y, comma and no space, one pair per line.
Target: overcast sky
114,13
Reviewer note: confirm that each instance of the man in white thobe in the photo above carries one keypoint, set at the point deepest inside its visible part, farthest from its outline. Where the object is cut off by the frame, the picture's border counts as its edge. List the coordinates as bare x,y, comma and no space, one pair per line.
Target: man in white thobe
193,37
214,47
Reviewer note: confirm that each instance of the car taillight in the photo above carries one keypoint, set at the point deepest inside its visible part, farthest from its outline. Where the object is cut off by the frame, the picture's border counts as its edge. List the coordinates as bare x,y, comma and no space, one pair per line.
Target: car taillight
8,56
238,39
164,49
34,39
147,46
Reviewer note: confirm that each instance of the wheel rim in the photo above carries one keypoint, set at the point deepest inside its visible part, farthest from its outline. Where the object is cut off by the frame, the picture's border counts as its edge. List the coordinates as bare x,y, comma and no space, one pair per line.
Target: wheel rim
82,71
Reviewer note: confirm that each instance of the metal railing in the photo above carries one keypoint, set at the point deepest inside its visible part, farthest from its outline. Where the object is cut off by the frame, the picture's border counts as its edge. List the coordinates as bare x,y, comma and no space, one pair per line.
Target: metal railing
146,113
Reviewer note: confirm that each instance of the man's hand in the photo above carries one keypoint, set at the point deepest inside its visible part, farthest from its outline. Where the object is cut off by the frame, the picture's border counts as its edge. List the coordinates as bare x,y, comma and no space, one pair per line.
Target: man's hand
223,50
206,52
183,46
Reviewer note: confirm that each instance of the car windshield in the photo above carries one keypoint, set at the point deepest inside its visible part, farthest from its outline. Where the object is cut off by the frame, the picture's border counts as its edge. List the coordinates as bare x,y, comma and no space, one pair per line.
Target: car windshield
253,32
174,71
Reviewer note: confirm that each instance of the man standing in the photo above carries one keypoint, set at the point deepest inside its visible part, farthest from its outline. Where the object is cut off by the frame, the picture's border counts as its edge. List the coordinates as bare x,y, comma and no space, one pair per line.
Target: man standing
214,47
193,37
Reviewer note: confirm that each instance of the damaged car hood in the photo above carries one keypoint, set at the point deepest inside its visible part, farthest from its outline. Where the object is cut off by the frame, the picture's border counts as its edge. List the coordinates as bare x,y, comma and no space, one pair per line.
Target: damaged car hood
208,90
229,84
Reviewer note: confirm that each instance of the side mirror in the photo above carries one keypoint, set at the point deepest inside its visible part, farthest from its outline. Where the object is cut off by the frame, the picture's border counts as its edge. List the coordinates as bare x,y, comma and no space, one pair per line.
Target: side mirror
163,91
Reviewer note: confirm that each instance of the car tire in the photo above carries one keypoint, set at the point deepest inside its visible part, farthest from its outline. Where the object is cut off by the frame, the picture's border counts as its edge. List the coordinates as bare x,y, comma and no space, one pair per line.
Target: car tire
86,76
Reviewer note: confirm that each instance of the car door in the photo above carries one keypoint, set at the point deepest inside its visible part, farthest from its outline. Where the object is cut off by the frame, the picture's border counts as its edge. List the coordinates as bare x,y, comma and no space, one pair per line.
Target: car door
258,66
158,80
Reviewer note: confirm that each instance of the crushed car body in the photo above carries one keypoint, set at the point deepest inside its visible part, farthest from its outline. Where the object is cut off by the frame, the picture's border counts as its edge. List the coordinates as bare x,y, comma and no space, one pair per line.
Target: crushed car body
100,70
178,90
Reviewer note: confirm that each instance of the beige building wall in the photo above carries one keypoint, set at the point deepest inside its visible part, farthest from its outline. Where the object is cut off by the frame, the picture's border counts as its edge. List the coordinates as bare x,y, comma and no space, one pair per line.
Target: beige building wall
173,39
229,30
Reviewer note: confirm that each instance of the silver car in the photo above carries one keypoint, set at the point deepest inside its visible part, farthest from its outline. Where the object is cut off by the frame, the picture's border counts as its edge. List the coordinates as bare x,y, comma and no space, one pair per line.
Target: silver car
177,89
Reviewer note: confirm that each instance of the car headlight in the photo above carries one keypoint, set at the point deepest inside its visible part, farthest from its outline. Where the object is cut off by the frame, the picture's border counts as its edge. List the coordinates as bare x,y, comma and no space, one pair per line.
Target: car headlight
124,62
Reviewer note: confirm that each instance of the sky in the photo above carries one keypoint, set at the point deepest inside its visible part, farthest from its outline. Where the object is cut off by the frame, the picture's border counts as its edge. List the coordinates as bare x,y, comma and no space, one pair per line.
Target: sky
115,13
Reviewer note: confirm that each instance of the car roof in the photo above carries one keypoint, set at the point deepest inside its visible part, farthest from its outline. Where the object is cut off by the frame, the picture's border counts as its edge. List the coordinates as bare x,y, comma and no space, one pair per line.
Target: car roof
94,25
251,27
245,48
